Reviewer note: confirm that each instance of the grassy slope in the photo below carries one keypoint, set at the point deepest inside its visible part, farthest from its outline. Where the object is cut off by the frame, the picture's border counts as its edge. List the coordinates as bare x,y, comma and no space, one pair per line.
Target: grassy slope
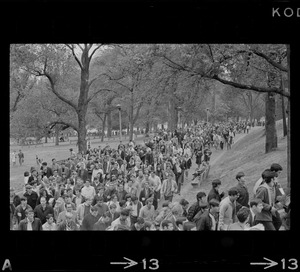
248,155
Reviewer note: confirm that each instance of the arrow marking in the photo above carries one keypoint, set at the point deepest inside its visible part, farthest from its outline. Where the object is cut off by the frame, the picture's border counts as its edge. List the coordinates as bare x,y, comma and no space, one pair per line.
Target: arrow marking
270,264
130,263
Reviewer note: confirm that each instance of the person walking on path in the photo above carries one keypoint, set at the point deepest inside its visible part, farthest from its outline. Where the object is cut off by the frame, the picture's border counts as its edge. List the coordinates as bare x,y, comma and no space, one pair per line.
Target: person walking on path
168,188
266,192
242,190
208,220
196,207
228,208
13,158
214,192
21,157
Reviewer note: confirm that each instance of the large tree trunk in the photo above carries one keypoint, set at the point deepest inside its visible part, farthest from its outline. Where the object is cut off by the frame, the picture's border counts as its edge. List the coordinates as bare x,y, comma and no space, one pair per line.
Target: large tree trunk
283,117
46,139
109,122
82,144
147,127
271,135
103,127
56,135
131,117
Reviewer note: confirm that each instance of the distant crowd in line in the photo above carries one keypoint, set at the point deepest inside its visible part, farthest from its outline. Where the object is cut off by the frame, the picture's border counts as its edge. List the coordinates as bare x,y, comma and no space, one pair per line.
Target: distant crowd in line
132,188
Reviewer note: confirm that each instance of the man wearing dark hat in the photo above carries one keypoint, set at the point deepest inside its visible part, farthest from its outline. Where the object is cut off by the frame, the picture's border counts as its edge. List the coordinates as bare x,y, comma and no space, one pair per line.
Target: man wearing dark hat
242,190
208,220
266,192
197,206
214,192
31,196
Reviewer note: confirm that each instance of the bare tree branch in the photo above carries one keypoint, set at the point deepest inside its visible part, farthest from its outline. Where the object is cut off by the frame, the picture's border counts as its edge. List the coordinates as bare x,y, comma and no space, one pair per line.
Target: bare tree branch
91,56
59,95
211,53
231,83
97,92
94,79
251,87
80,46
269,60
63,123
71,47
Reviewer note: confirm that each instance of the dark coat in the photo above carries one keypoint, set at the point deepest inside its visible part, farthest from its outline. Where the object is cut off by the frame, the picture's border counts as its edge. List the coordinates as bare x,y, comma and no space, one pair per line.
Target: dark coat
265,214
41,214
193,210
20,210
48,172
83,174
149,158
214,194
16,200
121,195
252,221
109,193
31,199
66,171
188,164
244,195
204,222
146,196
89,221
36,224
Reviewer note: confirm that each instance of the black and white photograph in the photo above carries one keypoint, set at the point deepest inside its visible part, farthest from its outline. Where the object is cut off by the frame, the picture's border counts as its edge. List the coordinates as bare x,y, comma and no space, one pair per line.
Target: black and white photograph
154,118
149,137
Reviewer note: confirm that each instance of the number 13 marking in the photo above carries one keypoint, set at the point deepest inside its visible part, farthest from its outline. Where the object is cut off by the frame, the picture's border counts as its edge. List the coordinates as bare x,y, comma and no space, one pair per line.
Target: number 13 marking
154,263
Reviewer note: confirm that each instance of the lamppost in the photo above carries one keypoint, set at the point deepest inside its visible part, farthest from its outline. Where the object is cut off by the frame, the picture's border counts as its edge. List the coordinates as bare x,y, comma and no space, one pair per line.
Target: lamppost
120,120
207,110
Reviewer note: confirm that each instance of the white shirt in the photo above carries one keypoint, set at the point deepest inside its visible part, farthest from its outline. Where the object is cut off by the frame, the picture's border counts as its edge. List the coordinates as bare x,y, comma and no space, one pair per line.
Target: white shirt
188,151
29,225
134,209
13,156
213,227
26,180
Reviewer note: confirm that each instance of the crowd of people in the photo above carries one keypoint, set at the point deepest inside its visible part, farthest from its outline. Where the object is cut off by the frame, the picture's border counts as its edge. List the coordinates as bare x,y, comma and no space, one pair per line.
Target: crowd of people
132,187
